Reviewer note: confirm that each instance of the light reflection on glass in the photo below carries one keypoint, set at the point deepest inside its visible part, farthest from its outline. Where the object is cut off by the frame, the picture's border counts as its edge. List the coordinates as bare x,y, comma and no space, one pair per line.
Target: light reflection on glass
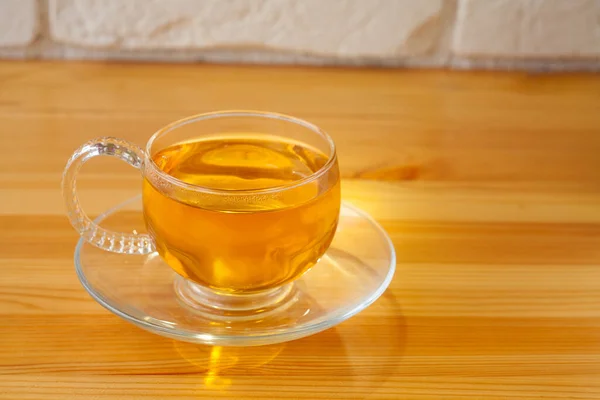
217,365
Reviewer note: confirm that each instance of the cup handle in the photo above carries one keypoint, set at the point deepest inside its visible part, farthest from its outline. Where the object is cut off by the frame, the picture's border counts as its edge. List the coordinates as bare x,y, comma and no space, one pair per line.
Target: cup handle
116,242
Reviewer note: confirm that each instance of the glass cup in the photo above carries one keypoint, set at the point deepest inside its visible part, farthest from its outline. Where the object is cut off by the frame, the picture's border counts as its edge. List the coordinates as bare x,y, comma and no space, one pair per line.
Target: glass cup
238,203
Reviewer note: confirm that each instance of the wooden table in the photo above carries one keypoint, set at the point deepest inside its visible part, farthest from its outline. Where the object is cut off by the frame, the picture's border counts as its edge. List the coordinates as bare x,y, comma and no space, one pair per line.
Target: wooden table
488,183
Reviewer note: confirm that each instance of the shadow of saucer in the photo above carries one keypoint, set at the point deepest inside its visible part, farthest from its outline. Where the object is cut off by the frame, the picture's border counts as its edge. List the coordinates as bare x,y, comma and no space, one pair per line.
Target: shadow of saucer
362,352
357,356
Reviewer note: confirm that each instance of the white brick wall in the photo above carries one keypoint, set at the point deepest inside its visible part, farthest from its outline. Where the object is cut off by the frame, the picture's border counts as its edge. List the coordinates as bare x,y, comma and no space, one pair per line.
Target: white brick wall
377,28
528,28
491,33
18,22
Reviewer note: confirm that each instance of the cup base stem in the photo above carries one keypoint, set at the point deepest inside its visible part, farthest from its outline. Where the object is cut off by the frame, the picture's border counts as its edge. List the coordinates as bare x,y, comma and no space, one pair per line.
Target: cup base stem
227,306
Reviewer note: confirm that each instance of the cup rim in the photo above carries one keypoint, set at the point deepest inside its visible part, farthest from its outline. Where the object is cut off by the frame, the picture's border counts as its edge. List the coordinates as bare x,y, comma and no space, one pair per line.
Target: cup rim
239,113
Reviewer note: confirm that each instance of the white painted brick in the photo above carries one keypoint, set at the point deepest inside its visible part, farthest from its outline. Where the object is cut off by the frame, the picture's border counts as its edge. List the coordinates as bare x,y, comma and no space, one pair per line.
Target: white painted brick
18,22
371,28
528,28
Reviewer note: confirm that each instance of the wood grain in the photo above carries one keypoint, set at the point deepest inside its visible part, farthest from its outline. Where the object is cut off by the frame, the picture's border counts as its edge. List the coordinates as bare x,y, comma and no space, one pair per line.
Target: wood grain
488,183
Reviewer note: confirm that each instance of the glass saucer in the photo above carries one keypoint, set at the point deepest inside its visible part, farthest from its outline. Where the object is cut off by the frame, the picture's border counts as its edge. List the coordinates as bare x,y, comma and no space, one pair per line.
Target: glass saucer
141,289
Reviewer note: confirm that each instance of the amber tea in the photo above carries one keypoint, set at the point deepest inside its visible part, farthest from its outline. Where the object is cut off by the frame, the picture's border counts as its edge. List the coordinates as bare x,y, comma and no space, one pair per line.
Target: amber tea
245,235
